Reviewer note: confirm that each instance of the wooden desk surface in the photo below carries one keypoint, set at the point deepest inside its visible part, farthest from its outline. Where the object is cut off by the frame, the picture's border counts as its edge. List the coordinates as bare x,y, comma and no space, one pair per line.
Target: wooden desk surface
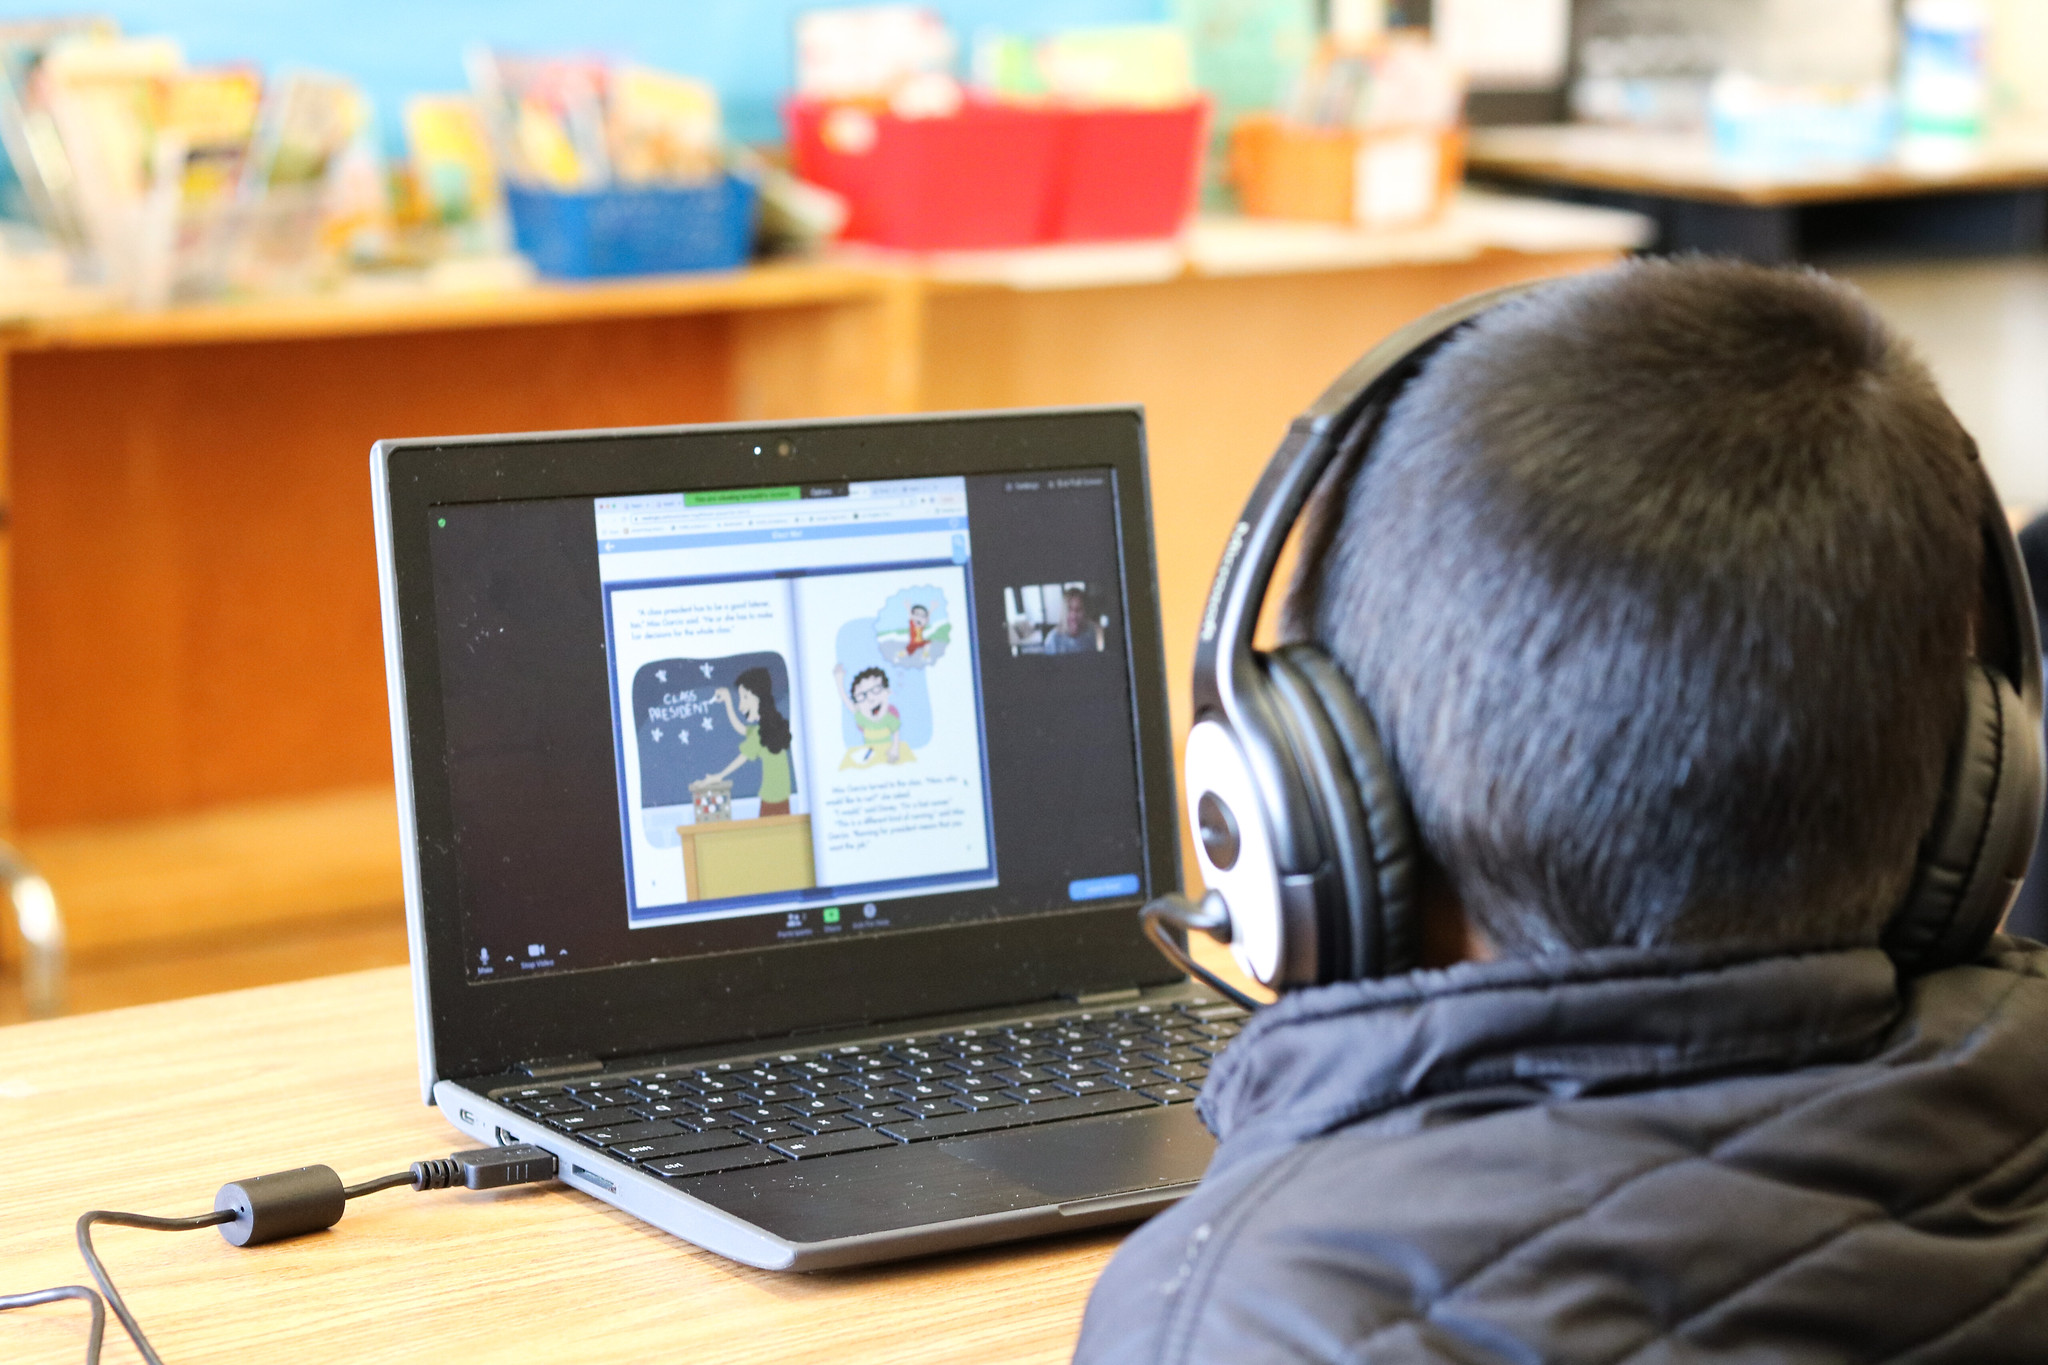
152,1109
1683,166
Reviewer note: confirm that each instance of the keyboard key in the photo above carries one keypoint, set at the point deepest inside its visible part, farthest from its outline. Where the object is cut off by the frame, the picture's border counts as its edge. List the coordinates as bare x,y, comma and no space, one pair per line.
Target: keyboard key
663,1090
977,1066
823,1068
723,1118
1034,1094
871,1099
880,1114
932,1108
786,1094
1168,1094
822,1104
679,1078
826,1085
1168,1056
768,1132
683,1144
1184,1071
596,1084
591,1118
826,1123
627,1132
1088,1085
663,1109
1024,1075
1068,1107
832,1144
707,1163
548,1104
983,1099
1069,1070
760,1113
922,1090
1210,1014
527,1092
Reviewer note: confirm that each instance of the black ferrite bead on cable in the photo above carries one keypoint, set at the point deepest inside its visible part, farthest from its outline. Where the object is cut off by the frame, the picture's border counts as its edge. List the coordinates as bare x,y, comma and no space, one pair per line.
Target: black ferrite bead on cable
270,1208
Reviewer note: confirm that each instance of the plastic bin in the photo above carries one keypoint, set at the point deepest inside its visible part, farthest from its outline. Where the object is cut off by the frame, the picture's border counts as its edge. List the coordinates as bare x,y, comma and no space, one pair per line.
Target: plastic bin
979,178
1392,177
640,231
997,175
1128,173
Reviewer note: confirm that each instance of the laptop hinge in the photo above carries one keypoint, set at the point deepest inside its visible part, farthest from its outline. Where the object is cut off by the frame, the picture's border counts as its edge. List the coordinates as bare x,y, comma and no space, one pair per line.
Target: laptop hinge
575,1064
1093,999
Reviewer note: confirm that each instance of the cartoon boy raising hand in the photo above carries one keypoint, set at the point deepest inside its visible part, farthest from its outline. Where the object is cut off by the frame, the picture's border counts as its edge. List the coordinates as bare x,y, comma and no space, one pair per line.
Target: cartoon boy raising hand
868,700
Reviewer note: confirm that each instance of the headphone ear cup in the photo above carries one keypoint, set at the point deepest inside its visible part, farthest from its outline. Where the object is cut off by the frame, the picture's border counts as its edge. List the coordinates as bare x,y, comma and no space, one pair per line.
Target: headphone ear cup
1975,853
1382,929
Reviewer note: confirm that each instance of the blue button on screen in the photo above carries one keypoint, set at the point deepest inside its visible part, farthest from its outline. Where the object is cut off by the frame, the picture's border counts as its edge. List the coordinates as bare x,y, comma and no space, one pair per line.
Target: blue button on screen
1101,888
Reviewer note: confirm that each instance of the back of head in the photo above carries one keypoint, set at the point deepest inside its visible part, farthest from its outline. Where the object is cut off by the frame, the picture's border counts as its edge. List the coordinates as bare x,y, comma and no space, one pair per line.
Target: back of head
1659,582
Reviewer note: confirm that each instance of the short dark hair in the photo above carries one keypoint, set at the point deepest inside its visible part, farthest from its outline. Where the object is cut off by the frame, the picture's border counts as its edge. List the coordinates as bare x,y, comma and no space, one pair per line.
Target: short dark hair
1660,582
863,676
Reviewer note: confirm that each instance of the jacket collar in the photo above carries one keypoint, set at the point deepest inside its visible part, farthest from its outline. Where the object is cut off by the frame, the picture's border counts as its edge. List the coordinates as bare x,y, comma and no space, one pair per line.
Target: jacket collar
1560,1025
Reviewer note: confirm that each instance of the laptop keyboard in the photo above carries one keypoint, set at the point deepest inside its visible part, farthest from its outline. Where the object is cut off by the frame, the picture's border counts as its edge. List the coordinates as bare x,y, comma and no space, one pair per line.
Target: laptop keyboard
803,1106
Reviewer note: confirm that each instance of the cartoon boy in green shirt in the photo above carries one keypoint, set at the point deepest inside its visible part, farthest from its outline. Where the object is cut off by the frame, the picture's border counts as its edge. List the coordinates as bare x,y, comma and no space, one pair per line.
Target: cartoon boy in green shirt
879,723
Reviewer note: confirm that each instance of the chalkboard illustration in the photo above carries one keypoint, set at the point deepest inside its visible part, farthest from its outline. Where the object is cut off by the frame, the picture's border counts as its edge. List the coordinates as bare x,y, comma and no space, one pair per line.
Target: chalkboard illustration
911,629
764,738
724,718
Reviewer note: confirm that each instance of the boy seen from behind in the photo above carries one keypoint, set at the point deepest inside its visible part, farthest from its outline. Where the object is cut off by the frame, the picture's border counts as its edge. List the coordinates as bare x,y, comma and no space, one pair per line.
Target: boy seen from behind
1662,584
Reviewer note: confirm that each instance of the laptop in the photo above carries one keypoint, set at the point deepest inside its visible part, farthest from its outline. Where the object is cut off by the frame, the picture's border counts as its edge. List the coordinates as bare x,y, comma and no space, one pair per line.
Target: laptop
777,804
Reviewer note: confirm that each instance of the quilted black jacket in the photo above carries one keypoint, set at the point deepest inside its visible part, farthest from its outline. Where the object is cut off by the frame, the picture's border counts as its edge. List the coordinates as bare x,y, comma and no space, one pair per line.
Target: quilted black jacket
1615,1157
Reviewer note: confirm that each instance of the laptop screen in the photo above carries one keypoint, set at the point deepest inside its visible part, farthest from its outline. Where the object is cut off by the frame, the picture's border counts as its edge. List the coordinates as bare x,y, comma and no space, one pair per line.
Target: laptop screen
719,720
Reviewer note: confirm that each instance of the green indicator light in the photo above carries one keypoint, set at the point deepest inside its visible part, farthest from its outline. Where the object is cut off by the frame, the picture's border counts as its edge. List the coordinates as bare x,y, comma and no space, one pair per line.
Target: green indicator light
726,496
444,521
831,914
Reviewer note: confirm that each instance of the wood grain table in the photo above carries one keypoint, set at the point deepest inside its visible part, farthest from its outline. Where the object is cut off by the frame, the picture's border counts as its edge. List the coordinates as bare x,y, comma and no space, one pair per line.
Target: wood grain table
1991,199
152,1109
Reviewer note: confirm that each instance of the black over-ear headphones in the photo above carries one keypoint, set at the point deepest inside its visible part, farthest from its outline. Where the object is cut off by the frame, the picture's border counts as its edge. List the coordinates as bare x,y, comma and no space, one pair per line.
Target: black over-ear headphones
1302,826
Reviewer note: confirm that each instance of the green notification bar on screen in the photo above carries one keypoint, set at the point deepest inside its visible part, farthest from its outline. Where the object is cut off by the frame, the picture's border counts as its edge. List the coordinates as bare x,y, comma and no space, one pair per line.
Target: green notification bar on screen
725,497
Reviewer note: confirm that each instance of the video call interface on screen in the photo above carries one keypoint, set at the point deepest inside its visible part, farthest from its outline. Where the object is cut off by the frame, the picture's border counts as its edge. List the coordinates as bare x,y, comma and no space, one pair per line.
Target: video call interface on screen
710,721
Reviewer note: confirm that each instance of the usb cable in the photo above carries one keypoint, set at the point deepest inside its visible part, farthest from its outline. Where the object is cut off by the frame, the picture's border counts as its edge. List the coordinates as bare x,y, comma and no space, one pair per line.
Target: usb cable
271,1208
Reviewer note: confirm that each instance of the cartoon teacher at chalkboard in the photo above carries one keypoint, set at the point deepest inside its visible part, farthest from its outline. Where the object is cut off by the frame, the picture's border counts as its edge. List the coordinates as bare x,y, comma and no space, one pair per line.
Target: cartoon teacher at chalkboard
764,737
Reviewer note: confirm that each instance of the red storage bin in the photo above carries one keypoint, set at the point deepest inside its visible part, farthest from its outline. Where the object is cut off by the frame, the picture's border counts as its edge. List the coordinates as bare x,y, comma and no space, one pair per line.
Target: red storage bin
995,175
978,178
1127,173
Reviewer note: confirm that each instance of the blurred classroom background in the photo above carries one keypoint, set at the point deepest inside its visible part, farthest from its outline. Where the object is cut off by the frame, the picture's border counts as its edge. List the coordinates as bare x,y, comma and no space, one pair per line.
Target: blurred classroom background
240,242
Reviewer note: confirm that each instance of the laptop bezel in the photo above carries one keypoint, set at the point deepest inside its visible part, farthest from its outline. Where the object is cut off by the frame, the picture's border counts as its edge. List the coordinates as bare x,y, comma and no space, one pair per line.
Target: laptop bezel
470,1029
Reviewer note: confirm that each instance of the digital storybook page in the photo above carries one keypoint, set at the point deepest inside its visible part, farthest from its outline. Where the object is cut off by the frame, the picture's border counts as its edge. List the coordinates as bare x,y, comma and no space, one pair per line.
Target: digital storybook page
787,740
890,698
703,675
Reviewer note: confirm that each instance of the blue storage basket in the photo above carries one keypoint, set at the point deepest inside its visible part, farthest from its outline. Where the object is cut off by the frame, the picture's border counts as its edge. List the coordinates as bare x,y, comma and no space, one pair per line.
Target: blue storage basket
648,231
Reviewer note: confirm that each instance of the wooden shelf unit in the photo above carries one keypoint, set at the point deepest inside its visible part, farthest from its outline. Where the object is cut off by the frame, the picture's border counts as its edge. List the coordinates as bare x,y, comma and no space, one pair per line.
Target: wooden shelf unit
190,648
